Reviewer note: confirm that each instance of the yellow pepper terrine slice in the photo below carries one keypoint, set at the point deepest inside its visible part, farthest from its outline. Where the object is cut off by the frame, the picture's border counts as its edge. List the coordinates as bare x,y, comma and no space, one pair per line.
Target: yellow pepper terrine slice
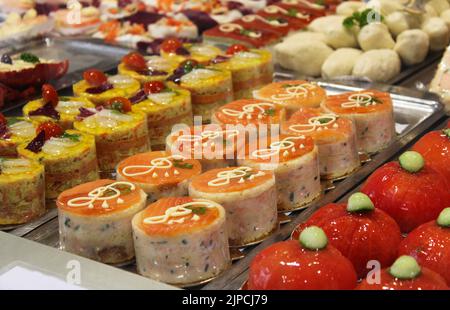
148,68
69,157
210,87
99,88
251,69
176,51
14,131
22,190
165,105
118,134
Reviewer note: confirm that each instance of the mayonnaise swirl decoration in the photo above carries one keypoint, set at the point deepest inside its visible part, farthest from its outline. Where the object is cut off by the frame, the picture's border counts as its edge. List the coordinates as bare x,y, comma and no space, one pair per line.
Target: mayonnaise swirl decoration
305,3
274,9
293,92
231,27
97,195
316,123
285,145
206,136
252,17
241,173
359,100
177,214
248,110
160,163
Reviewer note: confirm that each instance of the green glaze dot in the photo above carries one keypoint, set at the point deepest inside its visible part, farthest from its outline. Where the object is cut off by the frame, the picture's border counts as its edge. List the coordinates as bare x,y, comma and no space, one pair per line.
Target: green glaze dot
443,219
446,132
411,161
313,238
359,202
405,268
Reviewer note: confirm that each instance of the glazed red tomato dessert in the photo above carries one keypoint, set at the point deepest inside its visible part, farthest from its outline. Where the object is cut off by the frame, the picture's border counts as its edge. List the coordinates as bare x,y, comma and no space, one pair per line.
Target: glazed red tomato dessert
435,148
429,244
405,274
309,263
409,190
359,231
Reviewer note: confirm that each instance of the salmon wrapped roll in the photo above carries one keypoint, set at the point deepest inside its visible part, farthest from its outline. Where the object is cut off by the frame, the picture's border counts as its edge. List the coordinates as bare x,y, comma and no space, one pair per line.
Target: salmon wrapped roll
118,134
292,95
295,162
215,146
13,132
69,157
249,197
210,87
51,107
95,220
22,190
99,88
264,116
335,137
152,68
165,105
159,173
181,241
250,69
373,114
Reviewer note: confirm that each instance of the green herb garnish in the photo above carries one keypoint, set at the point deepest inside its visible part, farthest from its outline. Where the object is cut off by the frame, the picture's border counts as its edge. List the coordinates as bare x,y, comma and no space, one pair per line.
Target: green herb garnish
325,120
12,120
270,112
362,19
64,98
197,210
28,57
180,164
123,189
73,137
292,12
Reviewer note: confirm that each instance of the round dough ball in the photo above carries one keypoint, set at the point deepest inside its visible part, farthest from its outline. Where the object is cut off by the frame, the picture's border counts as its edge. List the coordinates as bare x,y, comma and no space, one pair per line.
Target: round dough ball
347,8
336,35
439,5
438,32
302,36
412,46
385,7
306,58
340,62
378,65
375,36
397,22
445,16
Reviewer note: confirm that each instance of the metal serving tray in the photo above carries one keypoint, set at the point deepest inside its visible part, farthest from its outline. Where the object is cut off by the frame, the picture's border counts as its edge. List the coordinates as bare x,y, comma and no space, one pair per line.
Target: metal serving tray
82,54
414,111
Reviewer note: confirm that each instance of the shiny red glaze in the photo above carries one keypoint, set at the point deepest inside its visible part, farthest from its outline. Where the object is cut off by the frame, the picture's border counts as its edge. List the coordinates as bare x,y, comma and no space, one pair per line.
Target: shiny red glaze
94,77
51,130
435,148
171,45
3,119
41,73
410,198
427,280
154,87
360,237
135,61
429,244
49,94
236,48
288,266
119,103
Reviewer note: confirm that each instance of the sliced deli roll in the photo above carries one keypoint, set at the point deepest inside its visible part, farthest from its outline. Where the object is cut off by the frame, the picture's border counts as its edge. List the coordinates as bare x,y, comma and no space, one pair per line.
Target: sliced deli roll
159,174
95,219
22,190
249,197
181,241
371,111
334,135
294,160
